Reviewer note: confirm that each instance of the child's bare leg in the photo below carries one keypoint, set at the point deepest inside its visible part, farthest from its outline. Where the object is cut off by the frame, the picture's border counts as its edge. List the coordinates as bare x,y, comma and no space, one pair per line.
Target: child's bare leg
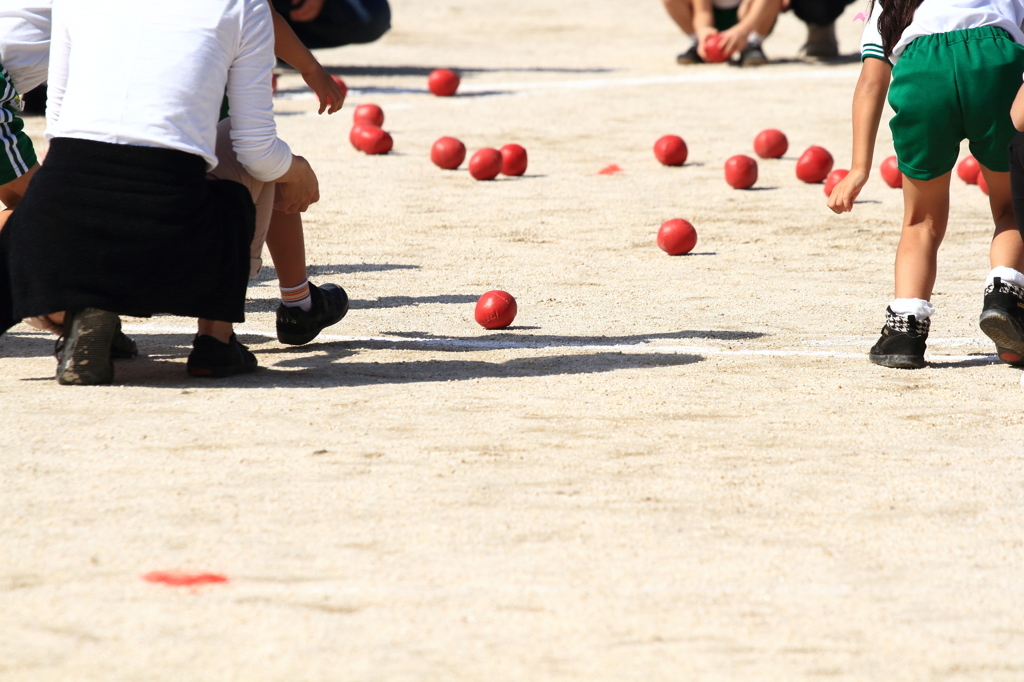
766,23
287,248
1007,248
12,193
681,12
925,215
221,331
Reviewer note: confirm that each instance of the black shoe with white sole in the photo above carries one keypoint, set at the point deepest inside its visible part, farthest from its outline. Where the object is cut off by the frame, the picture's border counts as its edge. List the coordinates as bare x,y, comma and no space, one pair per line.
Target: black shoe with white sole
1002,320
296,326
902,343
85,357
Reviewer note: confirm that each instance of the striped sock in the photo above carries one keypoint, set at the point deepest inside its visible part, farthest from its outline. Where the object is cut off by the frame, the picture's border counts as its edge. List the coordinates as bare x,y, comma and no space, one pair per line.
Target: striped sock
297,297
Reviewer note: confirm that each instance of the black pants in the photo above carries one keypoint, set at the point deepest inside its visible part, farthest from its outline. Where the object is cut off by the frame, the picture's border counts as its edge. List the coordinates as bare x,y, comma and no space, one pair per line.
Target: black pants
341,22
1016,150
820,12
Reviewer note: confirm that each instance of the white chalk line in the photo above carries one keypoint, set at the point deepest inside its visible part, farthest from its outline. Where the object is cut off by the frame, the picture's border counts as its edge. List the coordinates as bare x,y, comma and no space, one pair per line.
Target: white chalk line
525,344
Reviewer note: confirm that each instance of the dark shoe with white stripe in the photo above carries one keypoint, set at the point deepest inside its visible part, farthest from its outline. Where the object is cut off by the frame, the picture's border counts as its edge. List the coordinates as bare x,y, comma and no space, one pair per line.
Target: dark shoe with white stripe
1002,320
212,359
84,359
690,56
296,326
902,343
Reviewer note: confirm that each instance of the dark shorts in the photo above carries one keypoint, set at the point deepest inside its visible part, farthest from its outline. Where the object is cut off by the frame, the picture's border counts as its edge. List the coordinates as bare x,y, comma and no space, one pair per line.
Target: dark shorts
341,22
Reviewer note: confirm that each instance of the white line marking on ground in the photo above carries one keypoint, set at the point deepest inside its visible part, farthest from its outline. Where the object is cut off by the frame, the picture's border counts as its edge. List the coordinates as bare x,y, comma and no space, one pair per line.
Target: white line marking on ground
524,344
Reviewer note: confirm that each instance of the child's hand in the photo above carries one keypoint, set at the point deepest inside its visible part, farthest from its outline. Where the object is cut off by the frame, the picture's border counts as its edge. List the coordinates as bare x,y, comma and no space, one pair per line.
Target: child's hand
702,36
846,192
305,10
326,89
734,39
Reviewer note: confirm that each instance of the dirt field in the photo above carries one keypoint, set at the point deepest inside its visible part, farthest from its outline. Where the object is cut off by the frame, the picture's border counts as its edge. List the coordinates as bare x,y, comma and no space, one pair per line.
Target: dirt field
667,469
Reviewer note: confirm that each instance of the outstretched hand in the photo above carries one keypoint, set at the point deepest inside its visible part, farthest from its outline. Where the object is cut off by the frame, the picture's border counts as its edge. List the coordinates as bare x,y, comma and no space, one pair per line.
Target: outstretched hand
846,192
326,88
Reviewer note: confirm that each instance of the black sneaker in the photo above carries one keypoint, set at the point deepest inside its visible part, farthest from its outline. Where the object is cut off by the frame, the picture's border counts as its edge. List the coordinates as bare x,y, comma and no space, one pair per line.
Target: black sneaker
902,343
1002,320
122,347
296,327
752,55
85,356
211,358
690,56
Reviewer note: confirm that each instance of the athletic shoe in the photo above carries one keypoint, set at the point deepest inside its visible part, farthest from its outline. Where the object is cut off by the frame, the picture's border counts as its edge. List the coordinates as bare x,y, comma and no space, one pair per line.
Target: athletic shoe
1002,320
821,43
122,347
296,327
211,358
690,56
752,55
85,356
902,343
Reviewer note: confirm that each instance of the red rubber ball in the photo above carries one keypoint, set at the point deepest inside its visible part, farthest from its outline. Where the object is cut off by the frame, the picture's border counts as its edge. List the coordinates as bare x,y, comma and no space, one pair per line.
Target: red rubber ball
369,113
833,179
741,171
373,140
771,144
671,150
448,153
443,82
969,170
496,310
676,237
890,170
485,164
513,160
814,164
354,135
713,49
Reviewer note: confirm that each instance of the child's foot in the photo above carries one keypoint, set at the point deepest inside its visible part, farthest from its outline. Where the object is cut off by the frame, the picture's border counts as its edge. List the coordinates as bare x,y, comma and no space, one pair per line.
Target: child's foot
752,55
212,358
1002,320
690,56
84,358
296,327
821,43
902,343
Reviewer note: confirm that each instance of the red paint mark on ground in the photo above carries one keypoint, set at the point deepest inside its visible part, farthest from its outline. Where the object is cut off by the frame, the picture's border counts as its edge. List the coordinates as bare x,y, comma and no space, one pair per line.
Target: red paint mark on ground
610,170
183,579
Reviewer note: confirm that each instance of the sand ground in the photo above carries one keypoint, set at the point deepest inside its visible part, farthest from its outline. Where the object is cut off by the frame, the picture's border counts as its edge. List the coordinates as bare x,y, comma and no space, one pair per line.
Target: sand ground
667,469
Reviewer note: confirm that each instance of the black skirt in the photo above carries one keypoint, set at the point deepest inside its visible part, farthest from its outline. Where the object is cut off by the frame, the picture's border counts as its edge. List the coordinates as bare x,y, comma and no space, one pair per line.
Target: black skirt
128,229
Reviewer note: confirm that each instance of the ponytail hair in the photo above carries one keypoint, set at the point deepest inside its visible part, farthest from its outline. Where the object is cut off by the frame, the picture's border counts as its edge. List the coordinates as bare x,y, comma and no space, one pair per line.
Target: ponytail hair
896,16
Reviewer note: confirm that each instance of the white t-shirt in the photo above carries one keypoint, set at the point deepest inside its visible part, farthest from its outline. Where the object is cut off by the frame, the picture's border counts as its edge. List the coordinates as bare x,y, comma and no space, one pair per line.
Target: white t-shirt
943,16
25,42
726,4
153,74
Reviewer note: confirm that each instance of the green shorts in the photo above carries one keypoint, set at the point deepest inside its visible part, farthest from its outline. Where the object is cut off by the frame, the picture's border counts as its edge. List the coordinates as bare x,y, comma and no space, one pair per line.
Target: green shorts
951,86
725,18
18,154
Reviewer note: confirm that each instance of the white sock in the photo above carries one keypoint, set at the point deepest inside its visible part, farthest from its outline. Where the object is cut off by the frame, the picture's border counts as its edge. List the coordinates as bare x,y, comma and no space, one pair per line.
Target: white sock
918,307
693,38
755,39
1006,274
297,297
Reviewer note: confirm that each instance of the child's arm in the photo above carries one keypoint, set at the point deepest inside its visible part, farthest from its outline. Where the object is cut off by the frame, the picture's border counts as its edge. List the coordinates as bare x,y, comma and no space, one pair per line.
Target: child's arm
703,23
868,100
1017,110
288,48
735,39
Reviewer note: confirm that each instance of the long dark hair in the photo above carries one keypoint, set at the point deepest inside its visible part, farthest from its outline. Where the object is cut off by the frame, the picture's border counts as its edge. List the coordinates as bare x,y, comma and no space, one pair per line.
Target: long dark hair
895,18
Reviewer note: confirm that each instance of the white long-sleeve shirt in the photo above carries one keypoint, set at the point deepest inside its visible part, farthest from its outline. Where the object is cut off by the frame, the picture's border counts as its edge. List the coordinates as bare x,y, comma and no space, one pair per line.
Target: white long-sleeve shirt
25,42
153,73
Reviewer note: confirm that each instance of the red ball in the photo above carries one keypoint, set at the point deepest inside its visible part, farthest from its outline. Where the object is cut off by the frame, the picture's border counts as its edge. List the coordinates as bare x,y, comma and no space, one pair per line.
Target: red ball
982,184
671,150
369,113
373,140
443,82
741,171
513,160
814,164
355,133
770,144
969,170
341,84
448,153
833,179
496,309
890,170
713,48
676,237
485,164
